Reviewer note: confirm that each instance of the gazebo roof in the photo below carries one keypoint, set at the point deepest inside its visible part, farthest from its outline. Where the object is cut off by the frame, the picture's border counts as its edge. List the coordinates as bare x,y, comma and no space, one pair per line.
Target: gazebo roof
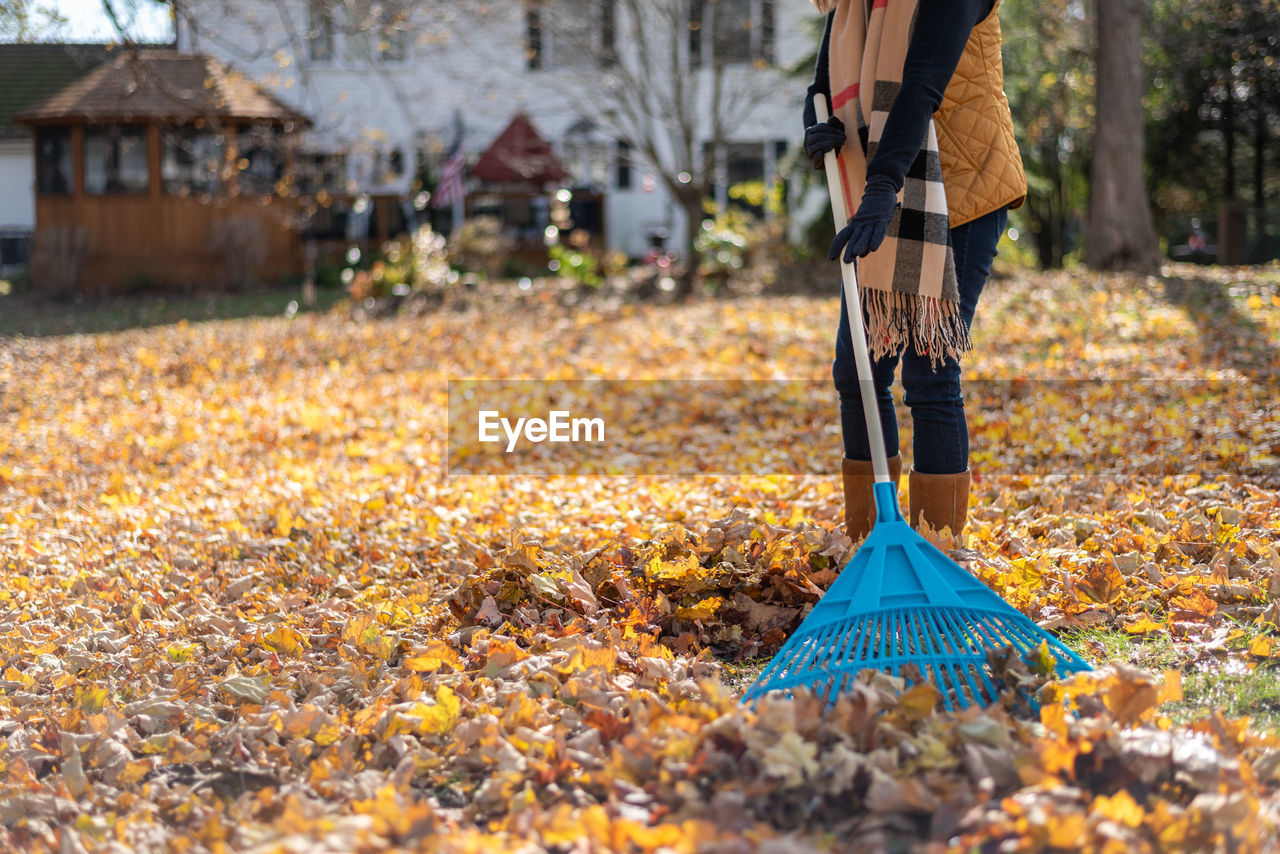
519,156
162,84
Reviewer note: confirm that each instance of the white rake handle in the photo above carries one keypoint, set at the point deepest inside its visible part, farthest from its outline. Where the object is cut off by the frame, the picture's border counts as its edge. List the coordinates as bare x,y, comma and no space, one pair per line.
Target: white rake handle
870,407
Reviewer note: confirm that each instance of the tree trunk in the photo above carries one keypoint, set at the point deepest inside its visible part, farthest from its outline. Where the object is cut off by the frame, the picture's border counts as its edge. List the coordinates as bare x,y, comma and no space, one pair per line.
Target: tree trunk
1259,160
1121,234
1229,139
691,203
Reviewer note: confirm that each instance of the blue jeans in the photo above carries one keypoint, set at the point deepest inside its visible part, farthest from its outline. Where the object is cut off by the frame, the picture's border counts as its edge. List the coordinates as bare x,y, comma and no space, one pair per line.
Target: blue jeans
940,439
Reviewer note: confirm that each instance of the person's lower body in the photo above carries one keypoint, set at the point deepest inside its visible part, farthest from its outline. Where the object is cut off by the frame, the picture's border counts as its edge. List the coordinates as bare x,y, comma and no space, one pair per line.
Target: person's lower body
938,483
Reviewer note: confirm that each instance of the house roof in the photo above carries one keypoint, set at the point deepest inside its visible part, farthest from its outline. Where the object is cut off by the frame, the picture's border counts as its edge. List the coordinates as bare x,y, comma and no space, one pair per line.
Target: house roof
162,84
519,156
33,72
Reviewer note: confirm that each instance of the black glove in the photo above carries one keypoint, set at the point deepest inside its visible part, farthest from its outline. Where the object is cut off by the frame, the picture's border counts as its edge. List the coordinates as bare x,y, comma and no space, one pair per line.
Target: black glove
865,232
821,138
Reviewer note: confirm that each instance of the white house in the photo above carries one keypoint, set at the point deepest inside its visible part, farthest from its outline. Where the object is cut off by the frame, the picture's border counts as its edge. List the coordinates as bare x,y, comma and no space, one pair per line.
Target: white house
31,72
394,80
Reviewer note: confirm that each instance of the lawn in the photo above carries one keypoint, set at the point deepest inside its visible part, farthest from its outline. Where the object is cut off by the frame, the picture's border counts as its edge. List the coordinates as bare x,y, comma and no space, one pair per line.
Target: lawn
29,315
246,608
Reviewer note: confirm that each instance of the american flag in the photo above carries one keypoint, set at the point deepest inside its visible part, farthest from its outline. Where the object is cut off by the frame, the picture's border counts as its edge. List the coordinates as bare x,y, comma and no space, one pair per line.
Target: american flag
450,189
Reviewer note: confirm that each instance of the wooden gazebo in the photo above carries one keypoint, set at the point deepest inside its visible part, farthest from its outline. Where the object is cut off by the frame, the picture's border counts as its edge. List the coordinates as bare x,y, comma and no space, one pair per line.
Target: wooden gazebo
166,169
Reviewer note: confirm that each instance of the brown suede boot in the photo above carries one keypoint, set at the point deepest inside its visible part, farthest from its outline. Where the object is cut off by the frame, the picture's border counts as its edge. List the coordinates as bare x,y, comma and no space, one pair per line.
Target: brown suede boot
859,497
942,499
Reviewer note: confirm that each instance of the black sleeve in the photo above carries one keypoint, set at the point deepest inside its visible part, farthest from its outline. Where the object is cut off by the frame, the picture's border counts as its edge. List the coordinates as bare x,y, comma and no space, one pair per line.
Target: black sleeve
942,29
821,77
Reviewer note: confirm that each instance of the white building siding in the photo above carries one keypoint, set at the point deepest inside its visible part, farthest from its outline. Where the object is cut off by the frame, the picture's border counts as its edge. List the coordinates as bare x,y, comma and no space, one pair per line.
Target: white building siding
17,185
455,66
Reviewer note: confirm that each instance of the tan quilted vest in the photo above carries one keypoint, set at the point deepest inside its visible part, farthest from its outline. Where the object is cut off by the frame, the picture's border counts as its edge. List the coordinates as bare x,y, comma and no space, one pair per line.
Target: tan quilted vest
981,167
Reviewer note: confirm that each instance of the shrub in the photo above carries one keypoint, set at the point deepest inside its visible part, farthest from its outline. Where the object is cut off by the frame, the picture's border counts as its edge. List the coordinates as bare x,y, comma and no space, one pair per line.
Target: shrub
578,265
723,243
240,241
58,254
481,244
413,265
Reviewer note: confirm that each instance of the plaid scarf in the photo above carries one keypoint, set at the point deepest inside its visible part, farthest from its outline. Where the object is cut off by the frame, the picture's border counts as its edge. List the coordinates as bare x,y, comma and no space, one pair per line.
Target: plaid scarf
908,285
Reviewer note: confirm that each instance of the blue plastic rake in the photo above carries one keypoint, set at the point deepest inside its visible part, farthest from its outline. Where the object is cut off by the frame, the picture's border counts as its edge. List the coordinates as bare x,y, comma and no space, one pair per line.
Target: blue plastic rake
900,600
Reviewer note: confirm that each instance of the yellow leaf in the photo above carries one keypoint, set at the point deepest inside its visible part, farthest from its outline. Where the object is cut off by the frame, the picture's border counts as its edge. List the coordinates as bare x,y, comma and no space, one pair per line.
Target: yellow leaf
1171,690
704,610
1040,659
1067,829
364,633
1120,808
327,733
432,657
284,522
918,700
439,717
583,658
1262,647
1143,625
367,718
285,640
672,570
90,699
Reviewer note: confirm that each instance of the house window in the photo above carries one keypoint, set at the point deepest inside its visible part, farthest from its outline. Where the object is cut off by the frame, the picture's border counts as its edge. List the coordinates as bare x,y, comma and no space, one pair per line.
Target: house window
744,161
53,160
115,160
320,31
739,163
564,34
732,31
388,165
391,20
322,172
190,160
261,160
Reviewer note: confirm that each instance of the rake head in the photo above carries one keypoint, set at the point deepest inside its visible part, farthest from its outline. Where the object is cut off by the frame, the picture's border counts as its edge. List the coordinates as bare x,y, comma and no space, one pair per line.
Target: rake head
901,601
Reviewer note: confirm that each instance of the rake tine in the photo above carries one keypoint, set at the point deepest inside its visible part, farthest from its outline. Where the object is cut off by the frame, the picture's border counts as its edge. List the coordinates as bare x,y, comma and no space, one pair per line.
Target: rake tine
848,641
982,672
960,670
994,631
963,624
945,642
1027,638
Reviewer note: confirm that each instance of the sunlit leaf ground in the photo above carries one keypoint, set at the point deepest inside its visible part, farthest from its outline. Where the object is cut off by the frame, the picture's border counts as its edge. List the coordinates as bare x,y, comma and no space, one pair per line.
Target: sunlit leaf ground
243,608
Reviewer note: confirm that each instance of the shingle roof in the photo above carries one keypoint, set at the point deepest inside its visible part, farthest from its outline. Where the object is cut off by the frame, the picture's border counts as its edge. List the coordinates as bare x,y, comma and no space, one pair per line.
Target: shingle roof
519,155
162,84
32,72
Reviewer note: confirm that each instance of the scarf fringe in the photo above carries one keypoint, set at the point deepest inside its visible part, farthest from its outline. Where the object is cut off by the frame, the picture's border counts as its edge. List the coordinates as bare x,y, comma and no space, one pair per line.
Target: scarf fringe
931,325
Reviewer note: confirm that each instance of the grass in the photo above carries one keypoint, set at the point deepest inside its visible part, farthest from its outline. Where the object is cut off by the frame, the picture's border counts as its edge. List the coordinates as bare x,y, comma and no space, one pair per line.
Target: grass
1215,675
33,316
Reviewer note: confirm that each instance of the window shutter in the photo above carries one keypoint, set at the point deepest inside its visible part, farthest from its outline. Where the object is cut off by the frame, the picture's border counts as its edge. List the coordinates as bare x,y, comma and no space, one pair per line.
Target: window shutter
533,38
697,18
608,33
768,32
623,174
